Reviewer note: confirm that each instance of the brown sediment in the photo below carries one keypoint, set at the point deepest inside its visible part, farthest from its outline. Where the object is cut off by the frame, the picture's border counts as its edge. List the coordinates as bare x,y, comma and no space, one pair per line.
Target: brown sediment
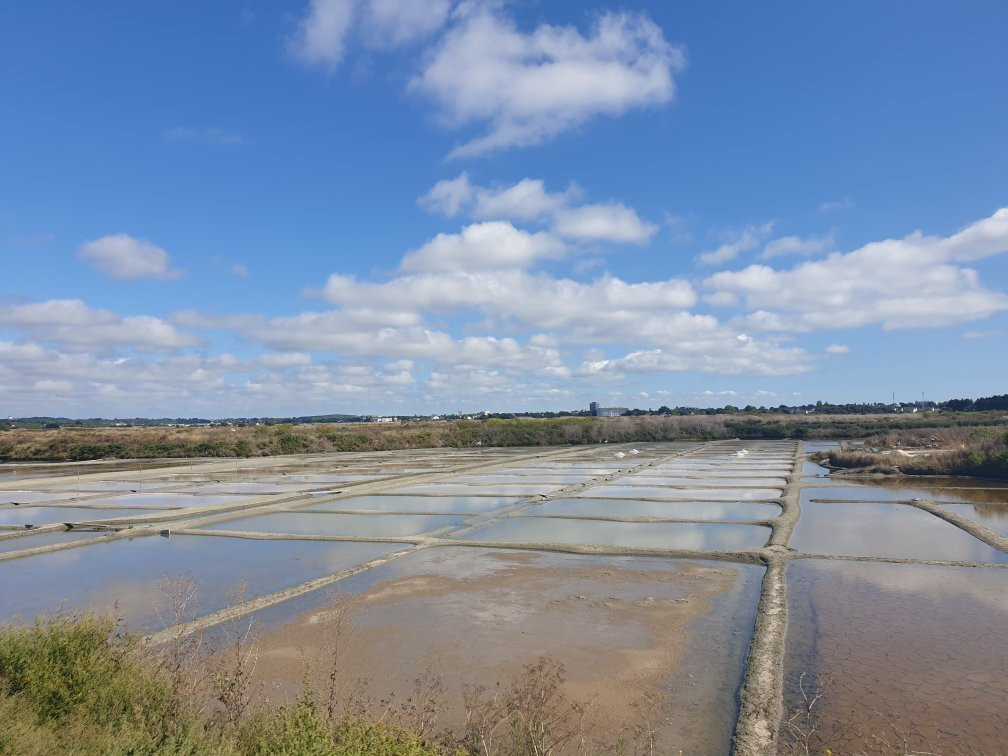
476,618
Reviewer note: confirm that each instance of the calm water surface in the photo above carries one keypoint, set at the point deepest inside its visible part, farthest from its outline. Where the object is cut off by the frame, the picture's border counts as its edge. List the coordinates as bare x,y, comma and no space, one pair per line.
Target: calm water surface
697,536
907,651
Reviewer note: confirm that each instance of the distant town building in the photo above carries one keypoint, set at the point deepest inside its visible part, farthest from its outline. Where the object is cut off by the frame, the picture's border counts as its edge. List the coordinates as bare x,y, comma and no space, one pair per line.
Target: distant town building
606,411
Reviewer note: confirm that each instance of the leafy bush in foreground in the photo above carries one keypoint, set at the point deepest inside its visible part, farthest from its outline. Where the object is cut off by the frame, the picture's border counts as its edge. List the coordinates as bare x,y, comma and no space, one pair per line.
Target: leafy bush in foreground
71,684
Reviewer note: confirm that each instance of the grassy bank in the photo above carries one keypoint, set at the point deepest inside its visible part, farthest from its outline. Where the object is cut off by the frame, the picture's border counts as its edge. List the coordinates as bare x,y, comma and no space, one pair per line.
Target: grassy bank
73,444
975,451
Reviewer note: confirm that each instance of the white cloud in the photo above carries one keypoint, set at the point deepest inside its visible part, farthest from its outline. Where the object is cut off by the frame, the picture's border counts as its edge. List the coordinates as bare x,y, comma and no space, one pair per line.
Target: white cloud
978,335
240,270
448,197
796,245
70,322
838,349
49,386
392,23
321,35
284,359
39,380
535,301
526,200
708,354
483,246
124,258
739,242
833,205
529,87
604,222
899,283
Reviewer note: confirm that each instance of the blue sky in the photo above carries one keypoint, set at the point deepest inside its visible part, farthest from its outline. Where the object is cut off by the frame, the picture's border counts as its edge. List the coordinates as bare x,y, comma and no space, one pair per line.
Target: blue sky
392,206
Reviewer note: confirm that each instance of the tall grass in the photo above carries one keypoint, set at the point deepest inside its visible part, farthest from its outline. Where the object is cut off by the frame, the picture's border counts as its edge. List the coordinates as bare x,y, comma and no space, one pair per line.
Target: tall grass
977,452
72,444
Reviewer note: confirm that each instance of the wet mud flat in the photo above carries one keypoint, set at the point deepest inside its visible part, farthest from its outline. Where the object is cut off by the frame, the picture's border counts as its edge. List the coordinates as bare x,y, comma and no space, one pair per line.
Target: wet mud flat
638,637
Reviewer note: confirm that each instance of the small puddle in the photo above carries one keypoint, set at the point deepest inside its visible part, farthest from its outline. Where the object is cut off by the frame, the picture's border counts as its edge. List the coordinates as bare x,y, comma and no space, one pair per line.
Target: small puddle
649,535
671,510
321,523
886,530
912,654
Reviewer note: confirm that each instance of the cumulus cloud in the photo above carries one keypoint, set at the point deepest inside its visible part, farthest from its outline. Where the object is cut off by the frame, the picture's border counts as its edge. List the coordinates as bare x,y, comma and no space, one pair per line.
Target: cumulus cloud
520,87
796,245
528,87
482,246
392,23
448,197
320,38
916,281
529,200
838,349
125,258
323,31
711,353
70,322
737,243
535,301
613,222
35,379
